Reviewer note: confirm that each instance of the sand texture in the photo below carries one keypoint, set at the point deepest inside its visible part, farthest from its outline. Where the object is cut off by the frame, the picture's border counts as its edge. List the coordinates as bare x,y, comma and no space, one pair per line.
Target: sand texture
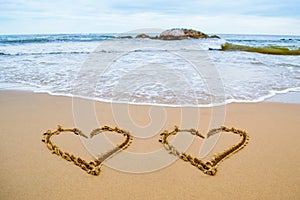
267,168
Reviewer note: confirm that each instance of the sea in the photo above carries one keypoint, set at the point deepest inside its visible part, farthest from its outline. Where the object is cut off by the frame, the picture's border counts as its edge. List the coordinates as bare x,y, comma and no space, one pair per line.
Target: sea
111,68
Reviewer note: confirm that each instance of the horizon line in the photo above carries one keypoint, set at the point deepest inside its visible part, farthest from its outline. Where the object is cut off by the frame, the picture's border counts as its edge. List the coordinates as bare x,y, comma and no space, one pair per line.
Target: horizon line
106,32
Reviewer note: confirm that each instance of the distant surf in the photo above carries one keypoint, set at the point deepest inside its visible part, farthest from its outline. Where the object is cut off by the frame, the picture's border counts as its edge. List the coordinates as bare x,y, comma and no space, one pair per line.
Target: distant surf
51,38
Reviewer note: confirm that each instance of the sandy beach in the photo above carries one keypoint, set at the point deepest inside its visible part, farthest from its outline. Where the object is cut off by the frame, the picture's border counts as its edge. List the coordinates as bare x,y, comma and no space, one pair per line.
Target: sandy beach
267,168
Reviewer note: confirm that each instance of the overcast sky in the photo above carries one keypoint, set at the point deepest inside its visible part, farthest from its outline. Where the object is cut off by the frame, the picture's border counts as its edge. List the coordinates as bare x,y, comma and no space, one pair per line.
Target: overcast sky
103,16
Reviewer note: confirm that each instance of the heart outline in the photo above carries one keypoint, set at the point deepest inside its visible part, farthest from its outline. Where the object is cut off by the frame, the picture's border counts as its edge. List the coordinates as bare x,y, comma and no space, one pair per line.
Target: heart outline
94,166
208,167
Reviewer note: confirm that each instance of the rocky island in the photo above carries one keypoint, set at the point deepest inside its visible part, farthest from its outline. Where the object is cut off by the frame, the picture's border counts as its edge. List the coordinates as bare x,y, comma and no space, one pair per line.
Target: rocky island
178,34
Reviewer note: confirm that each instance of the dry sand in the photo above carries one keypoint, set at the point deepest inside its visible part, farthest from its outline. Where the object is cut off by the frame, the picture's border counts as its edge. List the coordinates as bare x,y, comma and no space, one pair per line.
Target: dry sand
267,168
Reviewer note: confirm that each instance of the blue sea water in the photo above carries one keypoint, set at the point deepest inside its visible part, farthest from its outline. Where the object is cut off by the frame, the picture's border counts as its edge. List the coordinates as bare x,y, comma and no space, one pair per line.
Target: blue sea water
51,63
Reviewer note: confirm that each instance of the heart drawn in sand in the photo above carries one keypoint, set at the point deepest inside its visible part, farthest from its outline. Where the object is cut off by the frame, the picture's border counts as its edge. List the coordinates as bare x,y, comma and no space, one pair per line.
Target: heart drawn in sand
92,167
209,167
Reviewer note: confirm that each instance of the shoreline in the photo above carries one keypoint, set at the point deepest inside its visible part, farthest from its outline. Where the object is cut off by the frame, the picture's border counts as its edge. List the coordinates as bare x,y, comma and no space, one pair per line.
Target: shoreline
288,96
30,171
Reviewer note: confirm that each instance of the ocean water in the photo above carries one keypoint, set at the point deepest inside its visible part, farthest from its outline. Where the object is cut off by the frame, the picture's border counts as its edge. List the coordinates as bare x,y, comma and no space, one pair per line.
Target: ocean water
175,73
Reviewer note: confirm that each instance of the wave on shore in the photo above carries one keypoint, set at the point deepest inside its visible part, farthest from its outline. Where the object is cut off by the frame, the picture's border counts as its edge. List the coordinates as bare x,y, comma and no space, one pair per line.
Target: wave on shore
51,63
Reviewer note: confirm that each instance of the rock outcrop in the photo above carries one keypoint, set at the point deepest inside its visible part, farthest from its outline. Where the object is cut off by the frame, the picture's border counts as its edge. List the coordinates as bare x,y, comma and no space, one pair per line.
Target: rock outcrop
214,36
126,37
178,34
173,34
142,36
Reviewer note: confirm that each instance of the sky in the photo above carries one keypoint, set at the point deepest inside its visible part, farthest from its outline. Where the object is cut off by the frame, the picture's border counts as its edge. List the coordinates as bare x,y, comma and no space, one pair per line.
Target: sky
120,16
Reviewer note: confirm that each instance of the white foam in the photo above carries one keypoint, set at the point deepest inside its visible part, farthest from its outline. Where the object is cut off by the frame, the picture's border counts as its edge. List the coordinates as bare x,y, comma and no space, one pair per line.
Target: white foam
246,77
